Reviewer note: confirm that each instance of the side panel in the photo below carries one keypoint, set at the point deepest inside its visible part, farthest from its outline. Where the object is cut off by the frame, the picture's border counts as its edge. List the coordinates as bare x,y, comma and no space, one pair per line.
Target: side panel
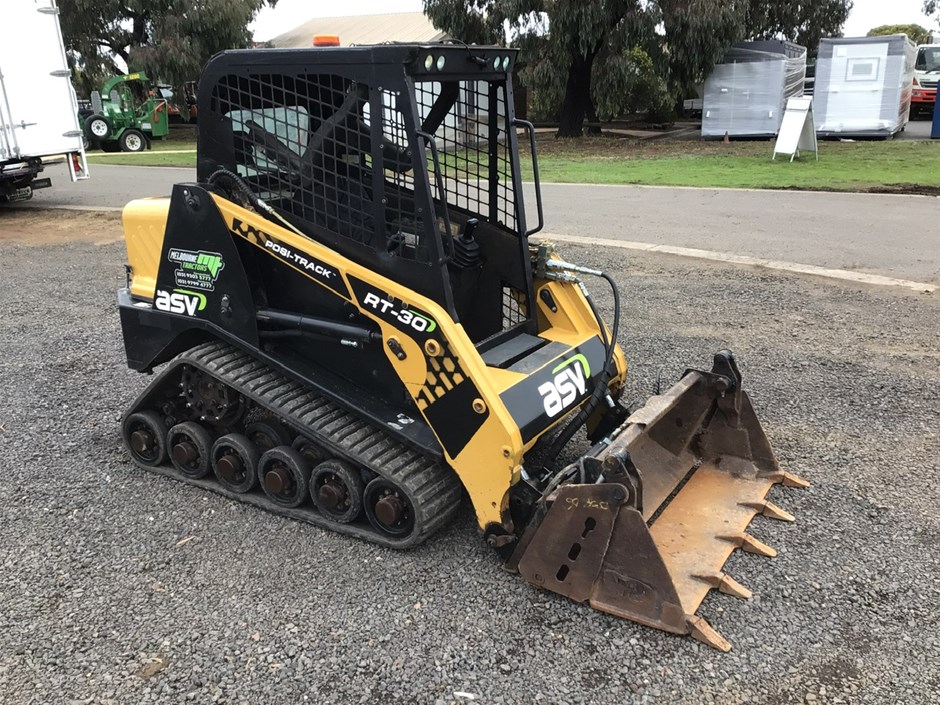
38,110
288,278
447,396
544,396
201,274
144,222
459,396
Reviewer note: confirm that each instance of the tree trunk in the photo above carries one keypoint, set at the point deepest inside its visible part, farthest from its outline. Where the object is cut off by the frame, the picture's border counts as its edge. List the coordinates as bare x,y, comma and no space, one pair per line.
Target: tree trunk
577,97
592,117
139,31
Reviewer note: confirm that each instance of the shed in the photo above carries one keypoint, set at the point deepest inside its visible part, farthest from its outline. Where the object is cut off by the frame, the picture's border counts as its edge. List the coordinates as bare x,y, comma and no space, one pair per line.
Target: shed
746,93
864,85
363,29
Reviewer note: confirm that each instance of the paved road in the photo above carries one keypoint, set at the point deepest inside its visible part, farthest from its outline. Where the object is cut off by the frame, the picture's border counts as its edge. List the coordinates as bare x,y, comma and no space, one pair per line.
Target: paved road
917,130
890,235
109,186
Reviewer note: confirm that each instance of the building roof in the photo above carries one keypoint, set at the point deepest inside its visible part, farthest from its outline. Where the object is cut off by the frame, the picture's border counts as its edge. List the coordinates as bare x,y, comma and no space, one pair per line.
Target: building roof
363,29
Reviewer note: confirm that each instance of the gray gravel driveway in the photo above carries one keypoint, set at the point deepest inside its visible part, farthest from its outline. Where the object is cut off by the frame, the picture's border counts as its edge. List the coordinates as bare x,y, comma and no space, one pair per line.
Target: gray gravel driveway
122,587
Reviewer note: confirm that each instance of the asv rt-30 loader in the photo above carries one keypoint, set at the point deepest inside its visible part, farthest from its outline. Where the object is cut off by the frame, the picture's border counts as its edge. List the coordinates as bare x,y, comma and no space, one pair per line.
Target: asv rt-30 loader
355,329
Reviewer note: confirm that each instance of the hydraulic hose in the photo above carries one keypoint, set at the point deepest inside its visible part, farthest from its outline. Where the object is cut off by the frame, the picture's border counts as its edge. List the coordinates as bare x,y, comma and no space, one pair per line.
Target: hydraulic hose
233,182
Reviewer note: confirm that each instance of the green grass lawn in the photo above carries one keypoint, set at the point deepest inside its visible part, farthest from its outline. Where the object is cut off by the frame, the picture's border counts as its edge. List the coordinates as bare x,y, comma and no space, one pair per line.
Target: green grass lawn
178,139
181,138
153,158
843,166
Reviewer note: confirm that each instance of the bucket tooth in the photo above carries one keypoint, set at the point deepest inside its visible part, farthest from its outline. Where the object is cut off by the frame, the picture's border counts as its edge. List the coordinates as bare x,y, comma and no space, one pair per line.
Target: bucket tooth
770,510
726,584
787,479
705,633
749,544
730,586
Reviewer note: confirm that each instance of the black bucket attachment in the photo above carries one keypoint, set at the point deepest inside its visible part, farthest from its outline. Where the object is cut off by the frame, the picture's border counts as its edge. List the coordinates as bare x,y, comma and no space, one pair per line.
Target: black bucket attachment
678,485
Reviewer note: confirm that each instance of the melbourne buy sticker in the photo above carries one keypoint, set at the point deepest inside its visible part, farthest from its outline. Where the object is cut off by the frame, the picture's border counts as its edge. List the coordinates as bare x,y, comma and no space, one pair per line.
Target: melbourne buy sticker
196,269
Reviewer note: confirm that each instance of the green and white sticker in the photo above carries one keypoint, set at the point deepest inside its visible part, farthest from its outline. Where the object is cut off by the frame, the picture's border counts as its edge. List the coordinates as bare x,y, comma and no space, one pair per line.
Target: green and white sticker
196,269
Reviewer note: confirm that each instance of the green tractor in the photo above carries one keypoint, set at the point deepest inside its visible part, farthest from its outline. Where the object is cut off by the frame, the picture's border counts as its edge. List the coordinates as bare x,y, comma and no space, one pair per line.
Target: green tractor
126,115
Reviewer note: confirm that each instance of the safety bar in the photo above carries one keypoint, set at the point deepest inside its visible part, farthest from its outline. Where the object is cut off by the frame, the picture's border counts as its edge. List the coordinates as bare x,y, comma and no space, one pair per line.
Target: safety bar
530,128
441,193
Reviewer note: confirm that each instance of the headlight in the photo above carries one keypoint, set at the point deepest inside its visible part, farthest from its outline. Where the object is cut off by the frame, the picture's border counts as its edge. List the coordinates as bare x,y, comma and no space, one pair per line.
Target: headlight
428,62
505,63
496,63
440,63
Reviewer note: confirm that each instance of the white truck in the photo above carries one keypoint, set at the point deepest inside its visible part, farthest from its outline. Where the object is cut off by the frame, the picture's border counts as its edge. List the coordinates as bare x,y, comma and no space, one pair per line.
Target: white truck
926,75
38,108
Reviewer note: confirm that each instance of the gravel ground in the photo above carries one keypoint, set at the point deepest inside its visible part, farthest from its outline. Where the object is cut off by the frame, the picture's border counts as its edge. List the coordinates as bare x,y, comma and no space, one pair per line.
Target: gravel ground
123,587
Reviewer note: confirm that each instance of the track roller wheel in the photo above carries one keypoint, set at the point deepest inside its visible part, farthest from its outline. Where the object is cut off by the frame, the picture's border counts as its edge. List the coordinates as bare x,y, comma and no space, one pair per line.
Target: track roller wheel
336,490
268,434
388,508
235,462
313,454
284,476
190,449
145,438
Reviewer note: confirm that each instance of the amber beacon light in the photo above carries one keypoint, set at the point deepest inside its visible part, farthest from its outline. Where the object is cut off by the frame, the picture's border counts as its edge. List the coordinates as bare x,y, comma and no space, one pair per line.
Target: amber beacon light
326,40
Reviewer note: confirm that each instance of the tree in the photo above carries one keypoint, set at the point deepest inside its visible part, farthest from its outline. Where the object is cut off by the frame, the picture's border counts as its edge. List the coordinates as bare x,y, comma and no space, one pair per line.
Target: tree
582,35
581,54
169,39
802,22
697,34
470,21
918,34
931,7
574,51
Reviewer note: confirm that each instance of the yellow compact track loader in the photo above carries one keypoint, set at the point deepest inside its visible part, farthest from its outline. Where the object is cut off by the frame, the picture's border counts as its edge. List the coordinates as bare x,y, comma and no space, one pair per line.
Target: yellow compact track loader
354,330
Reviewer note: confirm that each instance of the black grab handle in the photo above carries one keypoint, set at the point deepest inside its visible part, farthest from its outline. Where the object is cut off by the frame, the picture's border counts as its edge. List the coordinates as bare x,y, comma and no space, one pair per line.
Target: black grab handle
530,128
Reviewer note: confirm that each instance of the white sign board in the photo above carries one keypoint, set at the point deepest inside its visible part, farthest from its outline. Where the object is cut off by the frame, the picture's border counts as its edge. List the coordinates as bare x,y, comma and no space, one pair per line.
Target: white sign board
798,129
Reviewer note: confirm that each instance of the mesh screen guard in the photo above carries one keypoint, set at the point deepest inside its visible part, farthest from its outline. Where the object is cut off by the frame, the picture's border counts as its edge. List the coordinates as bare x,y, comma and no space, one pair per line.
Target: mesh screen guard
472,138
345,159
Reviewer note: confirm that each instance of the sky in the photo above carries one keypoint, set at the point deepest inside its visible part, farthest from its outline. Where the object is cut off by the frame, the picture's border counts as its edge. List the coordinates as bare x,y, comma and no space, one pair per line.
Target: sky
290,13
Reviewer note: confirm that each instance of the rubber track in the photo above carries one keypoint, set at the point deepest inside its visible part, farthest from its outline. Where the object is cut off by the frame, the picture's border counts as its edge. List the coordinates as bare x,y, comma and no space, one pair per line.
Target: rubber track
435,490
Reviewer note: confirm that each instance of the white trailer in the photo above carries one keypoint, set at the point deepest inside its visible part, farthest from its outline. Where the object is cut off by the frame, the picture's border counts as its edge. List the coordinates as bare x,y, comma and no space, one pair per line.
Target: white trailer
38,108
864,86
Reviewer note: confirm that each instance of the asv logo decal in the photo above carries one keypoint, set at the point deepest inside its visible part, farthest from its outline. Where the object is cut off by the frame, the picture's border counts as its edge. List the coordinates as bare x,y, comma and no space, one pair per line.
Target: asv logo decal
180,301
570,382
